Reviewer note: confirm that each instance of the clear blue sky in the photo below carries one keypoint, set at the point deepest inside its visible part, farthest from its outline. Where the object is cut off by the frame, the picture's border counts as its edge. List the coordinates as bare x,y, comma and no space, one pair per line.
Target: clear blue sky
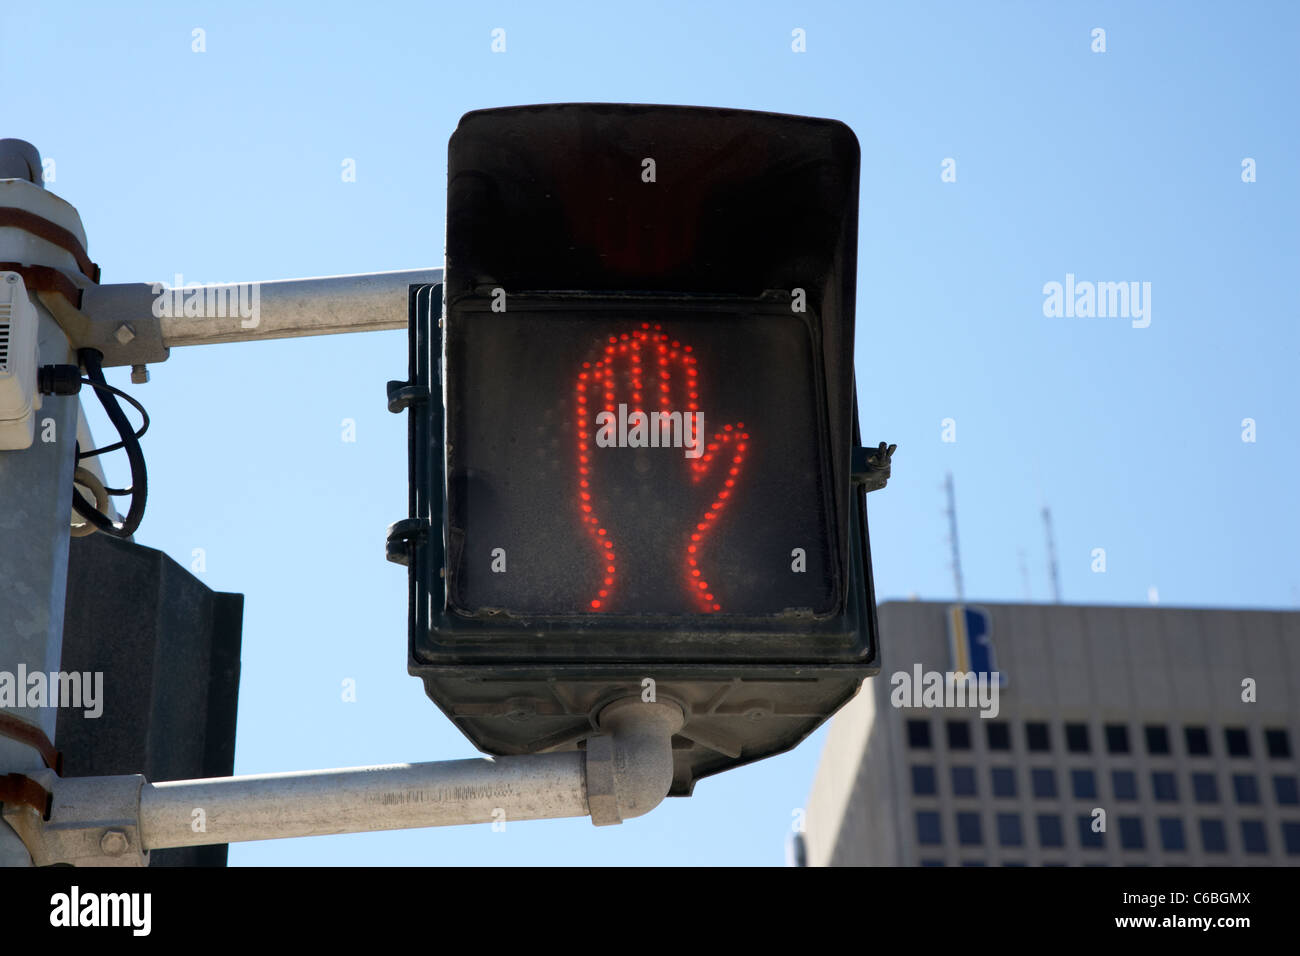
1115,166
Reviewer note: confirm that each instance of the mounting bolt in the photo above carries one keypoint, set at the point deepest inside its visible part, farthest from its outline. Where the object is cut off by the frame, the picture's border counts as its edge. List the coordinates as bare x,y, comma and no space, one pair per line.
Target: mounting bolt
114,842
11,277
139,373
124,333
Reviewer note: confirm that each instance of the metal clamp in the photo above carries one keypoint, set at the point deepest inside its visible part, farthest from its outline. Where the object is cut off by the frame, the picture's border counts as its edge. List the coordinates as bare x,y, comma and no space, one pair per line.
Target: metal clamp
90,821
870,466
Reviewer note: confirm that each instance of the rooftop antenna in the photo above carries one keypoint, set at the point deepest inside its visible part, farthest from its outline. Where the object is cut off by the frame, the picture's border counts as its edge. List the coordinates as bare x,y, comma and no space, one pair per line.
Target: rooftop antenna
1024,574
1051,555
952,538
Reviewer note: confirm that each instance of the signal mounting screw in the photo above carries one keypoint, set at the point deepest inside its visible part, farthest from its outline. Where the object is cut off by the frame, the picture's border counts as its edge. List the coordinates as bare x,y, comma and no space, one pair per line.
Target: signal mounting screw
114,842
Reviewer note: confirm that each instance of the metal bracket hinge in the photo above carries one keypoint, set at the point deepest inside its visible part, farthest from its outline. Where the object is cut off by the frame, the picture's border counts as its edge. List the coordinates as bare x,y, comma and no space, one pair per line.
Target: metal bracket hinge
404,536
870,466
402,395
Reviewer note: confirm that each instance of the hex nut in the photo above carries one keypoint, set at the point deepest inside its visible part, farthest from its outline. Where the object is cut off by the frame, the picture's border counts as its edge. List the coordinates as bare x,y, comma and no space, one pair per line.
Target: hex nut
114,842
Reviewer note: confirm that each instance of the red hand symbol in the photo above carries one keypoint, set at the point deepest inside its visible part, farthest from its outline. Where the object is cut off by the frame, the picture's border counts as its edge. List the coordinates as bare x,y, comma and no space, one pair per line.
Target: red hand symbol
623,367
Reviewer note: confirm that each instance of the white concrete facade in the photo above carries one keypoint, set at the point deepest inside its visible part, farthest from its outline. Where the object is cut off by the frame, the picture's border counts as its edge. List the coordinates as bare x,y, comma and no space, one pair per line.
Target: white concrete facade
1138,712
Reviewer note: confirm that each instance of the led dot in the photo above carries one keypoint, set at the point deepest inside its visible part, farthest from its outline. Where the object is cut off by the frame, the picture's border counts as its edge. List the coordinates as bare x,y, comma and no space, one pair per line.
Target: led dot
601,532
737,460
726,428
695,537
735,471
691,549
704,585
609,544
730,482
604,594
610,570
708,597
595,604
717,607
586,507
696,572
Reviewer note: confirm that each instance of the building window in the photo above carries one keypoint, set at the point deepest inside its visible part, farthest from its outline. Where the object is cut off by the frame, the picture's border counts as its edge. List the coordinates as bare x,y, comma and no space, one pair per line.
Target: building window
1009,829
958,735
1076,738
1050,832
1084,784
1253,838
1279,748
1038,737
1116,739
1198,741
973,863
1284,790
1089,838
963,781
1013,862
999,735
1044,783
1124,783
927,827
1164,786
918,734
1157,739
1245,787
1130,833
968,829
1004,782
1205,788
1171,834
1214,838
1291,838
923,782
932,862
1238,742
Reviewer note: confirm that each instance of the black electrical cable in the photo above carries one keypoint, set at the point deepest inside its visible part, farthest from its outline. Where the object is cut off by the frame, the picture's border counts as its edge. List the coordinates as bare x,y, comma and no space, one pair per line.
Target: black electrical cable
91,360
82,455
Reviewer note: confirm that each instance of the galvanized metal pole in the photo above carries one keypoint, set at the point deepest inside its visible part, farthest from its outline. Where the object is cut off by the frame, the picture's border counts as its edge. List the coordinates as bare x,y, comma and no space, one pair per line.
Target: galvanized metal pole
35,487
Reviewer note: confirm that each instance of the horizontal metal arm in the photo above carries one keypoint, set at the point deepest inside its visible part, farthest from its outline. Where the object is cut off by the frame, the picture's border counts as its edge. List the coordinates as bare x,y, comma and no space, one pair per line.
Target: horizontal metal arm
320,802
137,323
115,821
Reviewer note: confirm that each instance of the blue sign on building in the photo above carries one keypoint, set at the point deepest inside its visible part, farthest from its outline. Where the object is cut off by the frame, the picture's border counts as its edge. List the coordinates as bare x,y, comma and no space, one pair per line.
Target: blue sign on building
970,640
